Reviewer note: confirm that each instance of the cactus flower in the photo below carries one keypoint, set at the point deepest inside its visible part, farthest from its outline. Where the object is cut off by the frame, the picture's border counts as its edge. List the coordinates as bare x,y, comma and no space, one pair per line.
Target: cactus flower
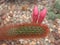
42,15
35,14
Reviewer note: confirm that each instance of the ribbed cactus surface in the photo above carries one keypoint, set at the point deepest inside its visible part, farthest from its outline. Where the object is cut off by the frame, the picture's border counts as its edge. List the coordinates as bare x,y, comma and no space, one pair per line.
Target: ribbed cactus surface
26,30
16,31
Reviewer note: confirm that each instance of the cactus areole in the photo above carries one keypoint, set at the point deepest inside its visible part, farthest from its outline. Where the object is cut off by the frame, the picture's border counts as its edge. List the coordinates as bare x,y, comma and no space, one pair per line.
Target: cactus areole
26,30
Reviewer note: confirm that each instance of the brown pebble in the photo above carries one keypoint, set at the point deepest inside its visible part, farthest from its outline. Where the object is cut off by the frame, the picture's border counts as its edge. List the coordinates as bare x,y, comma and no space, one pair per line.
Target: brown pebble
24,8
55,23
44,2
0,23
11,15
4,44
12,7
56,35
2,1
55,11
3,17
57,42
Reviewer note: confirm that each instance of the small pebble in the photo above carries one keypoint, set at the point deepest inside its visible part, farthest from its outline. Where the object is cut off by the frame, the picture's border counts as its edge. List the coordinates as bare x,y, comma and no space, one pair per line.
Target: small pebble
54,26
24,17
46,39
59,28
12,7
7,19
4,22
51,30
11,12
11,15
44,2
33,43
24,8
59,31
15,12
3,17
4,44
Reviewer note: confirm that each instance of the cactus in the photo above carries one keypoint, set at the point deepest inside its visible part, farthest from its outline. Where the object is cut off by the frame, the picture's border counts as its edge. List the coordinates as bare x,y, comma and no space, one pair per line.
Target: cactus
54,12
58,16
24,31
57,4
51,15
27,30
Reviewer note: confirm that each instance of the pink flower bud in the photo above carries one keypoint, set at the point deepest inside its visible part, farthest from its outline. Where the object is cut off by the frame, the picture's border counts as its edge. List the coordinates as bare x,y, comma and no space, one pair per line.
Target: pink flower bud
42,15
35,14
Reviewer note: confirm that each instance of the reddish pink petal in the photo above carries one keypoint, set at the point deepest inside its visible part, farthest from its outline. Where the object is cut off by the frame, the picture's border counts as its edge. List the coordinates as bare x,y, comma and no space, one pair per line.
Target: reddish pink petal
42,15
35,14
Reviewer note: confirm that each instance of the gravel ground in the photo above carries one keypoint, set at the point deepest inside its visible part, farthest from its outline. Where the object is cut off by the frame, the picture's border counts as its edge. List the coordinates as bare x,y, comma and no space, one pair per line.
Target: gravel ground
21,13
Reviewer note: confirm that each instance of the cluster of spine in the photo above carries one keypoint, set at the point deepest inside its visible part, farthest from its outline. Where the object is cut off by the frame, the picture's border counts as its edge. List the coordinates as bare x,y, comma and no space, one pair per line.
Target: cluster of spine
26,30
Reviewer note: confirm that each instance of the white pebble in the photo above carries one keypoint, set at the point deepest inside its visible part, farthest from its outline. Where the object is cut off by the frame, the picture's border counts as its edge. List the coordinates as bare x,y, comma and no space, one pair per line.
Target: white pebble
5,22
14,15
33,43
51,29
7,19
21,40
41,7
46,39
31,9
15,12
6,6
9,7
47,24
18,11
43,22
7,14
27,17
24,16
59,31
38,42
21,20
54,26
49,41
25,42
0,7
11,12
59,28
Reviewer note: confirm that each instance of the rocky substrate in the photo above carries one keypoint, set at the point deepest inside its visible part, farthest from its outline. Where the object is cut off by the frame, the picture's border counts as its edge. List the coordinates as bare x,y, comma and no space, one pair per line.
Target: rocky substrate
20,12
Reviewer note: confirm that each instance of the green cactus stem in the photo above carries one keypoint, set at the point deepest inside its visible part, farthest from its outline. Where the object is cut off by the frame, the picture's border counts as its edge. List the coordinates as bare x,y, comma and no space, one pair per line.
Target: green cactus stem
26,30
